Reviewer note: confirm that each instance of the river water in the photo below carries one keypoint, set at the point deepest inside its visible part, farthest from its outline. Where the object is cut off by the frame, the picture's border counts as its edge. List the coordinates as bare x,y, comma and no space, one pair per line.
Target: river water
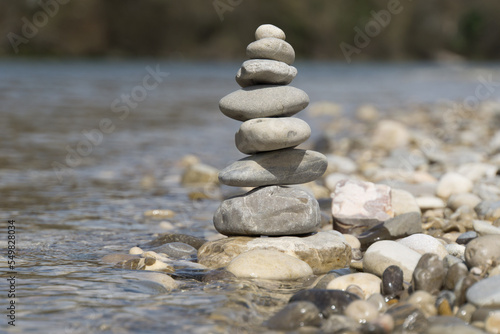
70,209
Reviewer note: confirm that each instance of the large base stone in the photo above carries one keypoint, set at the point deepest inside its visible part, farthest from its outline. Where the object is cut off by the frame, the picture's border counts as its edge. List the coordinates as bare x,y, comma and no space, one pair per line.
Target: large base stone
323,251
273,211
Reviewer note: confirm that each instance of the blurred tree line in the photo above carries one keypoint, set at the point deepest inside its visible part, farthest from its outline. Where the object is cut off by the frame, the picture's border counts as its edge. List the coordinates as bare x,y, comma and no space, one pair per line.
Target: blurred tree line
221,29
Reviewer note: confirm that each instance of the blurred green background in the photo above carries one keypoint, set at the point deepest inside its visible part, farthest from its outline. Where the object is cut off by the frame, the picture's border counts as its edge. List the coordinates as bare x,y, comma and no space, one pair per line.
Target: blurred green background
221,29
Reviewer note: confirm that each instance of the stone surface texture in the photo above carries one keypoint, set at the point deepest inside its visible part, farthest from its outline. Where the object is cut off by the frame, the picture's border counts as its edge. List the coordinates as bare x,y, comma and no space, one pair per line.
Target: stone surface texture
265,71
271,48
359,205
272,211
281,167
268,134
323,251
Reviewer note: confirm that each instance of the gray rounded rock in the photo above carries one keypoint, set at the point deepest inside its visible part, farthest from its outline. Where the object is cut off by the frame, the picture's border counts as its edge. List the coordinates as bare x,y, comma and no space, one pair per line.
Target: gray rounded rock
263,101
265,71
481,251
429,274
271,48
268,134
282,167
269,30
485,292
273,210
295,315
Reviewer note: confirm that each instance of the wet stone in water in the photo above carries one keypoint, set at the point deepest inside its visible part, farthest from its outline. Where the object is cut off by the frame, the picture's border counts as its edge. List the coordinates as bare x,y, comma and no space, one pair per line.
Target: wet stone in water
328,301
429,274
295,315
177,250
175,237
454,274
392,281
217,275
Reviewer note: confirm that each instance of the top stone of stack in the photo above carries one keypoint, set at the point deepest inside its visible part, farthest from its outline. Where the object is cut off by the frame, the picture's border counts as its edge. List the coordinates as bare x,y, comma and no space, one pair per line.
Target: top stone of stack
269,30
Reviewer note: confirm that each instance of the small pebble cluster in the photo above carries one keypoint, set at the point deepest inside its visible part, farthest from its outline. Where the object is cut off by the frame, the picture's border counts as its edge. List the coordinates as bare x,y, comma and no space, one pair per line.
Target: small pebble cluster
412,250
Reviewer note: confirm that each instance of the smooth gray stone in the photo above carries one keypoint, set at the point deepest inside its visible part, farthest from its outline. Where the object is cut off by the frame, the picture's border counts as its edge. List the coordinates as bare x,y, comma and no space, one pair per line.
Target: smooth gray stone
269,134
273,211
483,251
269,30
485,292
271,48
282,167
263,101
265,71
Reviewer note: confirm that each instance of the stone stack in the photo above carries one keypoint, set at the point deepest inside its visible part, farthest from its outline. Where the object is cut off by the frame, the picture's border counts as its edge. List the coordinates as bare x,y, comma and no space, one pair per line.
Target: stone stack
269,134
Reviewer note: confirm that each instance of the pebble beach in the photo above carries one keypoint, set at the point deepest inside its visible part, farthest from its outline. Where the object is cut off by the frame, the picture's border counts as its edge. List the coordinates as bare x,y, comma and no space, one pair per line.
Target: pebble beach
405,239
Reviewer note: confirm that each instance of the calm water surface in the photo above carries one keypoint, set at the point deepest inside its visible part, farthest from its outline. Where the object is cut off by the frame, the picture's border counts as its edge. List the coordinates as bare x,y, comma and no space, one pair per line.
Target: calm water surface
66,221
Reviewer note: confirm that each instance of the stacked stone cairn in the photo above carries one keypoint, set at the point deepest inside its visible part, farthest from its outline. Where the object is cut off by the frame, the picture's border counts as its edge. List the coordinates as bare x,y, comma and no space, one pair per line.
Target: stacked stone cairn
269,134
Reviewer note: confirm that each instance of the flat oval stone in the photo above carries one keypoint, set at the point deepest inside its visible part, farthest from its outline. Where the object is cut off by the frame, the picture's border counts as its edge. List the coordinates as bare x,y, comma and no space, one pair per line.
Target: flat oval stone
269,134
263,101
368,283
271,48
265,71
268,264
282,167
272,211
269,30
323,251
384,253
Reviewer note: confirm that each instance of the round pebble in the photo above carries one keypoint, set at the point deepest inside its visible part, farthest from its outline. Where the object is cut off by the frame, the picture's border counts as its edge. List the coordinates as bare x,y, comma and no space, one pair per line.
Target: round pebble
269,30
268,264
482,251
368,283
295,315
429,274
135,251
361,311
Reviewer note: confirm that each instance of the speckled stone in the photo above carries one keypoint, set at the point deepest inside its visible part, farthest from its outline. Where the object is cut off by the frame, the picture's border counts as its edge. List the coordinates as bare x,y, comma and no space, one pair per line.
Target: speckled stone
269,134
271,48
265,72
392,281
282,167
263,101
295,315
359,205
271,211
329,302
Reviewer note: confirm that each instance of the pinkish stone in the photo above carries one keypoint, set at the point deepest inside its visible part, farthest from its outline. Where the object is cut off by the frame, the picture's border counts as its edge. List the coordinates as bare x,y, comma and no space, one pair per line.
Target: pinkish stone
359,205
